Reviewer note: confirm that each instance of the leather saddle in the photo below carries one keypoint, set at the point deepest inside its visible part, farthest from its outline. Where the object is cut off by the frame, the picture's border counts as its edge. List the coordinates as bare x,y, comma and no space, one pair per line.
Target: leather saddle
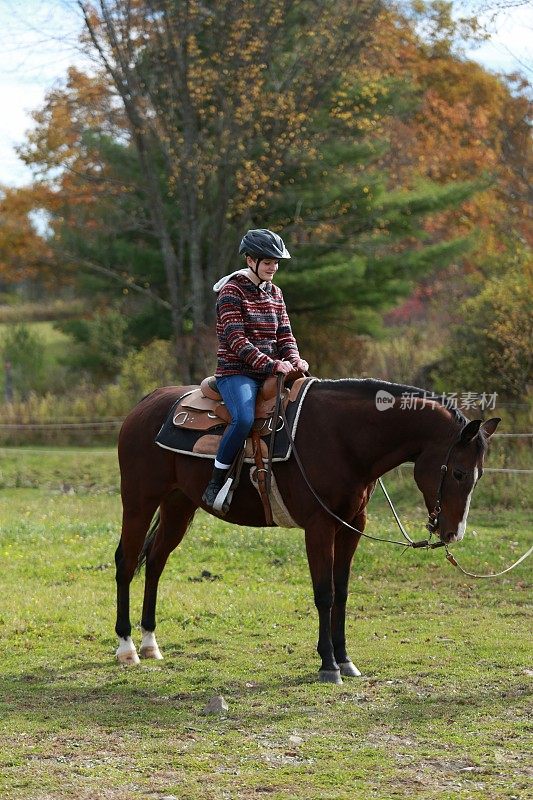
203,408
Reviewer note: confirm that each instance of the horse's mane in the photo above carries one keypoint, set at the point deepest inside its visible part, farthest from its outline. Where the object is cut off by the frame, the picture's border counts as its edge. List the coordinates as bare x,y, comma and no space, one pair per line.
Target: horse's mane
367,388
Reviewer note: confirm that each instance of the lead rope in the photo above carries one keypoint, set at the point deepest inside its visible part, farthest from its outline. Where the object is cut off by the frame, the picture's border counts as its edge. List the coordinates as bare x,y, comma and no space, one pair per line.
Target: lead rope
451,558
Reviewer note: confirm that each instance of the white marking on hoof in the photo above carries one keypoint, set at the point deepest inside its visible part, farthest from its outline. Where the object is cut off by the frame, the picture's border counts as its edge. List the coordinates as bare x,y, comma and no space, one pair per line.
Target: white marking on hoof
330,676
149,647
349,670
126,653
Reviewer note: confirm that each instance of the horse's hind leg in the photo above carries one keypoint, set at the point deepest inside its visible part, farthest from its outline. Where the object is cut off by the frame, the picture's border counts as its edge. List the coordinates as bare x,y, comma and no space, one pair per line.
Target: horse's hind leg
135,523
177,512
346,542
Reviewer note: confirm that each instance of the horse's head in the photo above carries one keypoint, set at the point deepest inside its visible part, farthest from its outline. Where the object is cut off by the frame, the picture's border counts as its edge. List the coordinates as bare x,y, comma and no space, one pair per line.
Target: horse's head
447,478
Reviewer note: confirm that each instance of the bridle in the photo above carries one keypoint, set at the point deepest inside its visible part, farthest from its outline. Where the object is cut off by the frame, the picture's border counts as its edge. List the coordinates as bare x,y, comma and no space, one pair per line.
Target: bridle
433,523
433,516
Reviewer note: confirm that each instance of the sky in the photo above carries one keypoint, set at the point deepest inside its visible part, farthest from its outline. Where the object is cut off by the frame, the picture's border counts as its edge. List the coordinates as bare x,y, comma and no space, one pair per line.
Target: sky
38,41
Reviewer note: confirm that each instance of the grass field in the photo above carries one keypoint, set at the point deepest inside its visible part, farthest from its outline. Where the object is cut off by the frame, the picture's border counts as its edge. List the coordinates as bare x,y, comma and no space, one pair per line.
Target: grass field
440,712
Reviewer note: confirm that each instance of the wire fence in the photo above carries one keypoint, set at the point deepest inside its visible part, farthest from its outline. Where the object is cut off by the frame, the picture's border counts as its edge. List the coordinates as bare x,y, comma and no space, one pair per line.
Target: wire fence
117,421
80,451
80,462
102,424
489,469
73,432
112,425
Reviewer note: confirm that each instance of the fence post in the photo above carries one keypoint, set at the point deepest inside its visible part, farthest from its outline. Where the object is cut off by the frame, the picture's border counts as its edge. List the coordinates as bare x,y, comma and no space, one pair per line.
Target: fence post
8,382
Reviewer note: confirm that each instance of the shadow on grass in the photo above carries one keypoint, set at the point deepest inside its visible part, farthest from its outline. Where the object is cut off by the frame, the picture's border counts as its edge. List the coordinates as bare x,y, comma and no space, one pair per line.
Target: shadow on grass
100,693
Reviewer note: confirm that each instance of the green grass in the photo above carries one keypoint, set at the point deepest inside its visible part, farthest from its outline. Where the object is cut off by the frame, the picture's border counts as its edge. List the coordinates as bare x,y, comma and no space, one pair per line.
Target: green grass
80,470
51,337
440,712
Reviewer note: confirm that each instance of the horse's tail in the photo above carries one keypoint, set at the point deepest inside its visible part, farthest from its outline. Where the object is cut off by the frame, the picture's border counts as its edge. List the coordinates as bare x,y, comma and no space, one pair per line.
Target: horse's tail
148,542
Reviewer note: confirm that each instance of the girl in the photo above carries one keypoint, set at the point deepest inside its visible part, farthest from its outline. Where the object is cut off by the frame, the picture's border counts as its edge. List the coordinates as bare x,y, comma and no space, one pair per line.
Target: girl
255,340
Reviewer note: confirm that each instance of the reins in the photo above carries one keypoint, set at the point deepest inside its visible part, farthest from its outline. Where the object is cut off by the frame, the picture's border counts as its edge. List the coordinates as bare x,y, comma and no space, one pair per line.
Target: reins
410,543
433,516
425,542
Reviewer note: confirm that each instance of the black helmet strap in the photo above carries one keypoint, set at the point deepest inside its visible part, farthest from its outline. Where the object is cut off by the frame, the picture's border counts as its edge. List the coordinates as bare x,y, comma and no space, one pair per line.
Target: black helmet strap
258,260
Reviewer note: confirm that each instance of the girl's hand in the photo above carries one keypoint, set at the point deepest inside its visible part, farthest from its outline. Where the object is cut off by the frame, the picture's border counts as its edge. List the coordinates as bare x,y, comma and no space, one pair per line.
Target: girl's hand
284,367
302,365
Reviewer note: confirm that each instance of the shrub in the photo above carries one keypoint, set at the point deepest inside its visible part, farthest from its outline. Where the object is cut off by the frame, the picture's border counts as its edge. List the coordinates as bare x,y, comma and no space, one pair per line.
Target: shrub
102,343
491,349
143,371
23,357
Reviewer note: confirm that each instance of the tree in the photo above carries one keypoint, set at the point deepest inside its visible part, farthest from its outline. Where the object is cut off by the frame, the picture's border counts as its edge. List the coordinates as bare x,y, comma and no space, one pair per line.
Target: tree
23,356
491,349
101,343
23,252
466,123
210,115
197,127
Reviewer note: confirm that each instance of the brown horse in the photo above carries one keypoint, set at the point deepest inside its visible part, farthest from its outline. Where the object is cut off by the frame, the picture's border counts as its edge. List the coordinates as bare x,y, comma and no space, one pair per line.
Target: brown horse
350,433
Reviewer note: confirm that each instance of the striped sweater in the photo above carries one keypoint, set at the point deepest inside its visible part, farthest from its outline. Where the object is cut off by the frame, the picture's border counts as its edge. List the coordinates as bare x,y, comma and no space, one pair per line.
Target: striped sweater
253,329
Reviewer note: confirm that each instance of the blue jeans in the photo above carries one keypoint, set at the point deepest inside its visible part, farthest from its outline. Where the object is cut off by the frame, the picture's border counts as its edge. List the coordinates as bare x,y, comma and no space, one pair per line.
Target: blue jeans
239,393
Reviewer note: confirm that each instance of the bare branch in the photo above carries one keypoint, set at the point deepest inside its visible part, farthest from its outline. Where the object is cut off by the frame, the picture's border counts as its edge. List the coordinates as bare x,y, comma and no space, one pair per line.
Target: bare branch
124,280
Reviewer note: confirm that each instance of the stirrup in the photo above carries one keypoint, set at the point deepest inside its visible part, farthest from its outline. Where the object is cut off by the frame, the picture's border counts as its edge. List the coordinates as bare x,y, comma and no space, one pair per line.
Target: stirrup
218,497
223,498
210,492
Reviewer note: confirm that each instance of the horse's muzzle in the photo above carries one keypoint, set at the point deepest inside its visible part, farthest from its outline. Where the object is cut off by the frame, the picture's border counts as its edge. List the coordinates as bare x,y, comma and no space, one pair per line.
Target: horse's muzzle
451,537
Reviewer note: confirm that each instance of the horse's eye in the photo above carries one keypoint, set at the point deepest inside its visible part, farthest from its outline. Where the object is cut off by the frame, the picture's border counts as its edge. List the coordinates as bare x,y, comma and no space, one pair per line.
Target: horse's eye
458,474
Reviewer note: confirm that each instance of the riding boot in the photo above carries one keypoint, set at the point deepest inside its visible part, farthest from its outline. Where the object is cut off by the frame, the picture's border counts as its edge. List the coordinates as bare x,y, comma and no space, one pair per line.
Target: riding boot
214,486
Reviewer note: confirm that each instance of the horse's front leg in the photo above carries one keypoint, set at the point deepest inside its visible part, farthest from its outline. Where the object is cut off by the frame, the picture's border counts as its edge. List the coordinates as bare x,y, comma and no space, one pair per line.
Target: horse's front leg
346,542
319,543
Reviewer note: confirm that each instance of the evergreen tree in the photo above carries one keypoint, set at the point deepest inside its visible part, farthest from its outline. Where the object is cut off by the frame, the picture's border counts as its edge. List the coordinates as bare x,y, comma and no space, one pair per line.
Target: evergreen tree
197,128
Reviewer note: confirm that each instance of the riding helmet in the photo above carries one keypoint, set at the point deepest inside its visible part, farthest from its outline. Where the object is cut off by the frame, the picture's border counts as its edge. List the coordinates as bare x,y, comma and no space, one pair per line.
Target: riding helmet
262,243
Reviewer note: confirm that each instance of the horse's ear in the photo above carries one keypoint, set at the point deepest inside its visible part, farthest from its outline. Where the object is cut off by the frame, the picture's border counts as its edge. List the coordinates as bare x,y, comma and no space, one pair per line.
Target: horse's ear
490,426
470,431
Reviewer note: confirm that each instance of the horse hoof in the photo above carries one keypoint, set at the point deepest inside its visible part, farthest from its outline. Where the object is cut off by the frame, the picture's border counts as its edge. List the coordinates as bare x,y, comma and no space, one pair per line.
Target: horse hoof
151,652
126,652
349,670
330,676
128,659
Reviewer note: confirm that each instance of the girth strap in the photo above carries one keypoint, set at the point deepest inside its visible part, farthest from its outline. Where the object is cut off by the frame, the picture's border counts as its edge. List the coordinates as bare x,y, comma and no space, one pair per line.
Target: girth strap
264,474
261,472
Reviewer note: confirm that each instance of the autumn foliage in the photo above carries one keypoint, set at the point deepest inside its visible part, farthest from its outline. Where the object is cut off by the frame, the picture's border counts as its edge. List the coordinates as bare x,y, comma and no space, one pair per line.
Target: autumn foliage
356,129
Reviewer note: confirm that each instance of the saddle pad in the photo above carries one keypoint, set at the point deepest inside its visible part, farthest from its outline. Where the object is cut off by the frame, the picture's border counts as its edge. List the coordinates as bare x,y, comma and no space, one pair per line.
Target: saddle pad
186,441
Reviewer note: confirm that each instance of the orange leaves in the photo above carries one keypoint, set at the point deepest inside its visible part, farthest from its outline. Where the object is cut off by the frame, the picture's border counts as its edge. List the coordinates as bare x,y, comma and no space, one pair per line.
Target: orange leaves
83,104
24,253
468,124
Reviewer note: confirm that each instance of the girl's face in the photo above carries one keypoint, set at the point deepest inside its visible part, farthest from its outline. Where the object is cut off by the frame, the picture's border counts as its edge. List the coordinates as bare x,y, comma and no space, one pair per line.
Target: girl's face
266,268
